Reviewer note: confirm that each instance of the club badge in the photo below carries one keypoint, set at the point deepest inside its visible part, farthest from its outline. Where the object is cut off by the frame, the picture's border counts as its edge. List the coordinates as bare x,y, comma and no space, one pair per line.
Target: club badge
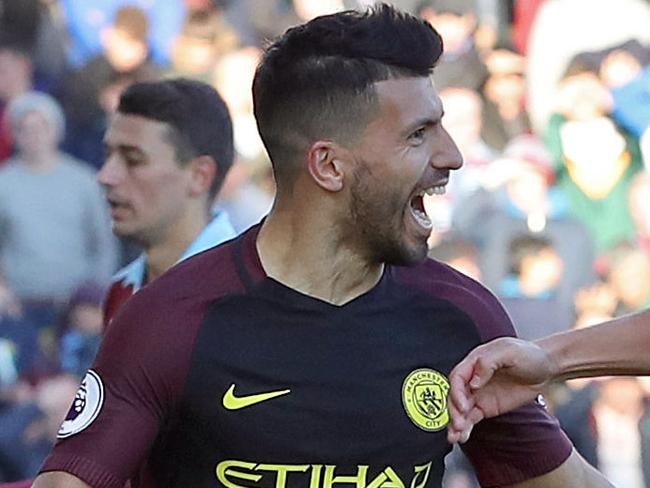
424,395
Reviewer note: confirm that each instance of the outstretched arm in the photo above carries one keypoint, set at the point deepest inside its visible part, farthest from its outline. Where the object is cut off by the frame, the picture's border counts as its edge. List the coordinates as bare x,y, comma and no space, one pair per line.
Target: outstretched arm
507,373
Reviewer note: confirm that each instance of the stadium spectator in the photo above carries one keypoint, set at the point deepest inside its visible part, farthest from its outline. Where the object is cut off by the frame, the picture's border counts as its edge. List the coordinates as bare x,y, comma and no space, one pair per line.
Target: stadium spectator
594,159
530,291
504,92
18,334
80,329
629,277
594,304
461,64
626,71
519,197
564,28
34,25
535,269
88,21
54,224
205,36
617,412
16,78
125,58
29,427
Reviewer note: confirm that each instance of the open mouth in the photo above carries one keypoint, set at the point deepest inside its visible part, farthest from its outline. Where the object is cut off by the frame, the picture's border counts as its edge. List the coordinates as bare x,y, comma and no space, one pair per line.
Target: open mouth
417,205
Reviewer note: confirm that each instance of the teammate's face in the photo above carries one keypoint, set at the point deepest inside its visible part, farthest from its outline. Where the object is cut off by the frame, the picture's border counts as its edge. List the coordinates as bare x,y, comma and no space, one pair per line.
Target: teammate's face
146,187
404,152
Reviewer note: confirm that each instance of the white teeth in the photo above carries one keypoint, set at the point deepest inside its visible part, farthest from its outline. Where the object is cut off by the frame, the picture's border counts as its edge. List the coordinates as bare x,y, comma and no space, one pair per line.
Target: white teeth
436,190
422,218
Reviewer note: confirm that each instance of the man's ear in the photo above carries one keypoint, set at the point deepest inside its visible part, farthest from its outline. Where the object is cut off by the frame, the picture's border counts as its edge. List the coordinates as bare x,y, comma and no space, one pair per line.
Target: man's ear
203,171
327,162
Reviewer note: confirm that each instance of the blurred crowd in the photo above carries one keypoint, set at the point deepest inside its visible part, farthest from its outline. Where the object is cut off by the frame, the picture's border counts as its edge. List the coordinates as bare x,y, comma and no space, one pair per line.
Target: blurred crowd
548,101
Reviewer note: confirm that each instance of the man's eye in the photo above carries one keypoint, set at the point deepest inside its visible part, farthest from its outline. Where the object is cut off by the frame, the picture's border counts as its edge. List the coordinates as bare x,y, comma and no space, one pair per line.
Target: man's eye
418,134
133,160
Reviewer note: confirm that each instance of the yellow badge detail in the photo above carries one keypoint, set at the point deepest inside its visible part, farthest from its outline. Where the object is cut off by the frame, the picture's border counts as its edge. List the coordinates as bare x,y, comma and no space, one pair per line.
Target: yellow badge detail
232,402
424,395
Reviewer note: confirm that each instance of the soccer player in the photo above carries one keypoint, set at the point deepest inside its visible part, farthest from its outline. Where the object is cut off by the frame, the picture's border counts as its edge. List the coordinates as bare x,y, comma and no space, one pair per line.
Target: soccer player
169,148
314,349
507,372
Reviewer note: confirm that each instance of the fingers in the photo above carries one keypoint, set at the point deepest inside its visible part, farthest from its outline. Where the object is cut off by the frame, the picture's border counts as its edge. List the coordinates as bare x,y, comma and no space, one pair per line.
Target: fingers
460,437
460,429
462,409
460,393
484,369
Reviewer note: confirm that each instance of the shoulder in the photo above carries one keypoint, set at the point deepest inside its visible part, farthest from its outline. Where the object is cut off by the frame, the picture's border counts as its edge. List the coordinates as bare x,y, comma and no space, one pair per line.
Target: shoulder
76,168
9,171
161,321
186,289
440,281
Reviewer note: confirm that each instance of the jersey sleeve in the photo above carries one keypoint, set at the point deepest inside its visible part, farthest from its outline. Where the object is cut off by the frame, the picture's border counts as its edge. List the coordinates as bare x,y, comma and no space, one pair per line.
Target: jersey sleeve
130,391
519,445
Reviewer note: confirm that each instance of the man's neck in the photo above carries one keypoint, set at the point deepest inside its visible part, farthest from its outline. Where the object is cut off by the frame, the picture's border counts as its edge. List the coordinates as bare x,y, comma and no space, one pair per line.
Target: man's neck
303,252
170,248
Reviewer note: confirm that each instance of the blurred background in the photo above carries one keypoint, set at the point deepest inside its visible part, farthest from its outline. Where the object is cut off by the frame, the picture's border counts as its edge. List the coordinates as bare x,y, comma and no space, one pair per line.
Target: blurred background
548,100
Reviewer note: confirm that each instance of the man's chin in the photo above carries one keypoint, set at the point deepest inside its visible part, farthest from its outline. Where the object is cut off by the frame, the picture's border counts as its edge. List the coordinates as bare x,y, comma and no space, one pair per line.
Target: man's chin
407,254
123,231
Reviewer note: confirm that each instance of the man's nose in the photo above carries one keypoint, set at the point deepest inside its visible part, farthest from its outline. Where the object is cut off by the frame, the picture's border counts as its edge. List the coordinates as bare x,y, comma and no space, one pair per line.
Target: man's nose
111,171
448,156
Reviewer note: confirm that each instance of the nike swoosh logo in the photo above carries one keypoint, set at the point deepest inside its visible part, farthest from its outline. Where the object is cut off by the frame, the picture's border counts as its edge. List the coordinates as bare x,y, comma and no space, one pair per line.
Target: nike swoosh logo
232,402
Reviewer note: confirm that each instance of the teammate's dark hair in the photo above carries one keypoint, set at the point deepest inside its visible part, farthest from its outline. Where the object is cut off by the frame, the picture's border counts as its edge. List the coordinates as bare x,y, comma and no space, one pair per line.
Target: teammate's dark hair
196,114
316,81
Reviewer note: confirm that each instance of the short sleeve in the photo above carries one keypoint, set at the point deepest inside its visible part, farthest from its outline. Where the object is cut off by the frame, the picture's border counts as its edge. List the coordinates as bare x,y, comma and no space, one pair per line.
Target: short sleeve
131,390
523,444
517,446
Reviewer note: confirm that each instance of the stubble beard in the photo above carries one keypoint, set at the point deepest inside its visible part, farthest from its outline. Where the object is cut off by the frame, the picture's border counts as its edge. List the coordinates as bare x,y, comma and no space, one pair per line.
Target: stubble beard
377,223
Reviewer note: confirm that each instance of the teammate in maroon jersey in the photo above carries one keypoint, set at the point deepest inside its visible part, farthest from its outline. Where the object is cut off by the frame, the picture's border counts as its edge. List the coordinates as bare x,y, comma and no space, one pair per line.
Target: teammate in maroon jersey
168,151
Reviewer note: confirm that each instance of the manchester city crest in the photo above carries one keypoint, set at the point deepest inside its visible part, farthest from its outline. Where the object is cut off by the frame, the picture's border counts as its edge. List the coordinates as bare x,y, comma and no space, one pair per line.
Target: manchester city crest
424,395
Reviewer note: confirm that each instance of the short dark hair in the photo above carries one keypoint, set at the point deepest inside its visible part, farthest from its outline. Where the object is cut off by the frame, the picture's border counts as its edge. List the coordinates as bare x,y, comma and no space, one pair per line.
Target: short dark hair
198,118
133,21
10,41
316,81
525,245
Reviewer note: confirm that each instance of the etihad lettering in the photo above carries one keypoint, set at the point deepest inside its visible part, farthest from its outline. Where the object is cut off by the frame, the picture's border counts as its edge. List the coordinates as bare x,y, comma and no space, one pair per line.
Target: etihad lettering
233,473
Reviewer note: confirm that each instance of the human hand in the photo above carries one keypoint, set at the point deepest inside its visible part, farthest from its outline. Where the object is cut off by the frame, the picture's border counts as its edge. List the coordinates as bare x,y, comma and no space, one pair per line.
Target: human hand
493,379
